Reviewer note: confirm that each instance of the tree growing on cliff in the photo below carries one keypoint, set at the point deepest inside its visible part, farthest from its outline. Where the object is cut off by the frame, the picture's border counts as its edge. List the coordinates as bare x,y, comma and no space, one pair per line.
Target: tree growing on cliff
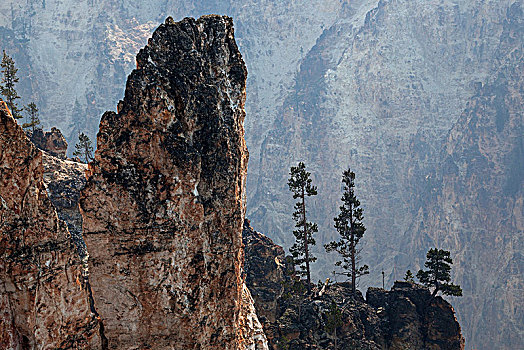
438,276
7,86
351,229
300,184
83,148
409,277
333,321
34,121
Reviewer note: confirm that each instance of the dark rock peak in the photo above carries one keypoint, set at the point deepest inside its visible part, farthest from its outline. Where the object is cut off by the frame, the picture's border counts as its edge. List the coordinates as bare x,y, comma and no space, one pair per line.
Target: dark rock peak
53,142
407,317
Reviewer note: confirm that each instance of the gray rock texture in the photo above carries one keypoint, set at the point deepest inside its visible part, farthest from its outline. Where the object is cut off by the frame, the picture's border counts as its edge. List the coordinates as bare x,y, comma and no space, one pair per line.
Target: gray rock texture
376,85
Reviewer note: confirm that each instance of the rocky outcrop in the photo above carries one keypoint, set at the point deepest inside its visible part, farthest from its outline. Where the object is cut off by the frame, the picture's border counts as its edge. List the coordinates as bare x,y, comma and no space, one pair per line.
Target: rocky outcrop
413,319
64,179
407,317
44,301
163,206
266,264
53,142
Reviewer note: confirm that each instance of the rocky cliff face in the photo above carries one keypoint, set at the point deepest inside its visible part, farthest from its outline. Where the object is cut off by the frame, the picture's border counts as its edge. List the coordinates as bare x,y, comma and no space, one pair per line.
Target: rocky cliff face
407,317
373,84
64,179
164,202
476,209
52,142
381,96
44,300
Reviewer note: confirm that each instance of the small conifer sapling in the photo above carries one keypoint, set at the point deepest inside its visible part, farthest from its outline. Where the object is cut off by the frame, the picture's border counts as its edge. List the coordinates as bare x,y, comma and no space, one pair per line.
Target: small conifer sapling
83,148
409,277
7,86
34,121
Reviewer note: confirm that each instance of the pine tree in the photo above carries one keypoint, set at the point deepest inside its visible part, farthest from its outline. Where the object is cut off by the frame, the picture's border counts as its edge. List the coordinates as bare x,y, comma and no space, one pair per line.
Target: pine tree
438,276
351,229
300,184
333,321
83,148
409,277
34,121
7,87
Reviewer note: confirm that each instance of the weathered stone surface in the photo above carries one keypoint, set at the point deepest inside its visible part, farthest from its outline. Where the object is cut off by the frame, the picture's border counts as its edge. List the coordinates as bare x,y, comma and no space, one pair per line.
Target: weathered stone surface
64,179
43,297
252,332
265,262
407,317
415,319
52,142
163,206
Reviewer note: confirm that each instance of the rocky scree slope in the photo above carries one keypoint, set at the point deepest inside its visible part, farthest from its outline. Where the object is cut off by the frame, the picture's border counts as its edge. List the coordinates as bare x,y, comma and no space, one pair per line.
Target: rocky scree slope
44,300
164,201
407,317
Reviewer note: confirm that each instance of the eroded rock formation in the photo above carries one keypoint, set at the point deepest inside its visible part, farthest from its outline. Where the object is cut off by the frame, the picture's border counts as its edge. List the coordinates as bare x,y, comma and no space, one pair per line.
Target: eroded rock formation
407,317
52,142
43,298
163,206
64,179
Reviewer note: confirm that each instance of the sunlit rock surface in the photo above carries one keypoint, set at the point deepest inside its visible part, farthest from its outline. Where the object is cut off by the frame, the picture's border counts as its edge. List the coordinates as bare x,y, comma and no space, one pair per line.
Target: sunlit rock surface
44,300
163,206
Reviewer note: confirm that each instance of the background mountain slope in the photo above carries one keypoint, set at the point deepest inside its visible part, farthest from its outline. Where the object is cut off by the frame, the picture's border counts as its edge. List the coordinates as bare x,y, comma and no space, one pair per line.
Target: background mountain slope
405,92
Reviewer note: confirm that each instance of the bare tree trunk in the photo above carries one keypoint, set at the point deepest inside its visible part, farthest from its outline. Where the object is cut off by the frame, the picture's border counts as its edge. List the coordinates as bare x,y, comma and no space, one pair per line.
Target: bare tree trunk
353,253
306,248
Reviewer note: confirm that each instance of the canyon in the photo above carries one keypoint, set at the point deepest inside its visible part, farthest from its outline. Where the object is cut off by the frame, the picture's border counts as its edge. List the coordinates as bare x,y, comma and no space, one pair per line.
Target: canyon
394,89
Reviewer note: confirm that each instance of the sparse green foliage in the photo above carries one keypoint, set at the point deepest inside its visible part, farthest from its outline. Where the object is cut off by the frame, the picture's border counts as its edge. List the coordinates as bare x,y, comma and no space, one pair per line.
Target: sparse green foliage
283,343
300,184
7,86
351,229
34,121
409,277
83,148
333,320
438,261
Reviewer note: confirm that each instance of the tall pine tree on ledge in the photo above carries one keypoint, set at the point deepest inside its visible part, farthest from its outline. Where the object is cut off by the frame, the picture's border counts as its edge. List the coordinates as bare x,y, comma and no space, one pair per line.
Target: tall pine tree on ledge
7,86
300,184
438,276
351,229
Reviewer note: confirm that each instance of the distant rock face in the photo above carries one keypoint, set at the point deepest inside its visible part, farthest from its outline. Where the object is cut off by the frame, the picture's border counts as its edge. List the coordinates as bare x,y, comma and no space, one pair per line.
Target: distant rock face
381,96
44,302
163,206
476,209
52,142
407,317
